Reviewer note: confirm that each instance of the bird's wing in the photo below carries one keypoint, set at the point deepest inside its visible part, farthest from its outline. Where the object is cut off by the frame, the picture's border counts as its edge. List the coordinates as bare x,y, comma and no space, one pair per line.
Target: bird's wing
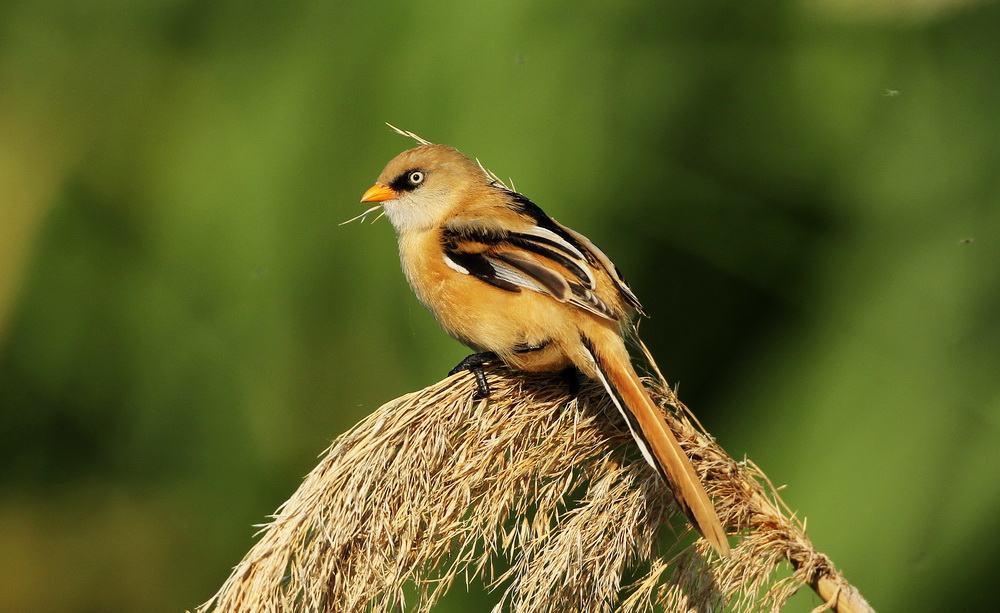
520,247
616,276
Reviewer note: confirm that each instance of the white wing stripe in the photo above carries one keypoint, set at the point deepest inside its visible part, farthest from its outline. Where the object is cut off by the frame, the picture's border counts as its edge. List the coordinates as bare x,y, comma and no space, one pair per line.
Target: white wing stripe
511,275
555,238
452,264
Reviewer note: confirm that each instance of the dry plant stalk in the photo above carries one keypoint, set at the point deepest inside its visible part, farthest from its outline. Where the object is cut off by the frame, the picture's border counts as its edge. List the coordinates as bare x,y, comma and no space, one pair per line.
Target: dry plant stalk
435,486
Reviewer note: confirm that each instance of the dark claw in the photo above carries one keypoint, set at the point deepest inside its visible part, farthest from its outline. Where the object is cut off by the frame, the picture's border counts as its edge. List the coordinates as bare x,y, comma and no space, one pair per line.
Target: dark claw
482,385
474,364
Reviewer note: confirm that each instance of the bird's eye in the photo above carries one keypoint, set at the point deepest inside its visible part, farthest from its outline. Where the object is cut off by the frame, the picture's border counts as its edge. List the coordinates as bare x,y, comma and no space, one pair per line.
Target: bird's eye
415,178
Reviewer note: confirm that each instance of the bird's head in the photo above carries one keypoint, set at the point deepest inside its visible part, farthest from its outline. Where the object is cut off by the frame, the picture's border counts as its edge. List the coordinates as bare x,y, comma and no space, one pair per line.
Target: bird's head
421,187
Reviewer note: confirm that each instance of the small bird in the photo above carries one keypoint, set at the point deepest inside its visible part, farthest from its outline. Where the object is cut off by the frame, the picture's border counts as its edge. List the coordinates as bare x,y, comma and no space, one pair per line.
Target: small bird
513,284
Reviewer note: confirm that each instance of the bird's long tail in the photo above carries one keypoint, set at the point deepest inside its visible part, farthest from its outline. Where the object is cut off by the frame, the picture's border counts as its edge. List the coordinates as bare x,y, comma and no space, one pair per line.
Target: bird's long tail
658,444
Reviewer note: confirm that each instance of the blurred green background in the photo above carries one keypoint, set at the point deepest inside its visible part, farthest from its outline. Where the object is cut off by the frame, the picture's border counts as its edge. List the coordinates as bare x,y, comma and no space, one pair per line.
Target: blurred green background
805,195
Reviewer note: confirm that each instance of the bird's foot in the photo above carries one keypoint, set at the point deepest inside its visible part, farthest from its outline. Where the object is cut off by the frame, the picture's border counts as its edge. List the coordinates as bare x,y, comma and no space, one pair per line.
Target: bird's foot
474,364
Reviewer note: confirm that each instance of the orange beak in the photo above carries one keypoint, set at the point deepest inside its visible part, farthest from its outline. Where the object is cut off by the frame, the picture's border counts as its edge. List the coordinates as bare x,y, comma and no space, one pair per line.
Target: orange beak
379,193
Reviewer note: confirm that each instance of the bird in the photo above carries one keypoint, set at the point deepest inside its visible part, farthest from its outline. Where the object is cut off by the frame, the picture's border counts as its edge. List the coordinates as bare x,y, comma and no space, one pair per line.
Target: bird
514,285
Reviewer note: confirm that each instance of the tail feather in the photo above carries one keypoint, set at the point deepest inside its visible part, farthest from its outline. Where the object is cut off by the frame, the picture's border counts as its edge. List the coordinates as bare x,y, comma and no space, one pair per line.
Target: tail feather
658,444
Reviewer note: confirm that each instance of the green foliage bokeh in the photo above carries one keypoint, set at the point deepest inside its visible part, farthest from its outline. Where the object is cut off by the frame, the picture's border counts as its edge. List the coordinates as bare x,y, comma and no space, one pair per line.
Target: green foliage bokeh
804,195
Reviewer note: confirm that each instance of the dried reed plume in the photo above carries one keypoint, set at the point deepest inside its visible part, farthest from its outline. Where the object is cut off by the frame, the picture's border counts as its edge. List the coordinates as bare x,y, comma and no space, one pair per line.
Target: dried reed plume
541,496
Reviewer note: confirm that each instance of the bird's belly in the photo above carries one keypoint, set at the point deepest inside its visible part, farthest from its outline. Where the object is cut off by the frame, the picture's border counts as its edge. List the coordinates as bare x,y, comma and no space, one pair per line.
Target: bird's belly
517,326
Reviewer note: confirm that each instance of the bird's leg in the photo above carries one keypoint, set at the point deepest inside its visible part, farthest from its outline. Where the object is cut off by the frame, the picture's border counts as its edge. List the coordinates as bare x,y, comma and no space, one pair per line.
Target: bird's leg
474,364
572,376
